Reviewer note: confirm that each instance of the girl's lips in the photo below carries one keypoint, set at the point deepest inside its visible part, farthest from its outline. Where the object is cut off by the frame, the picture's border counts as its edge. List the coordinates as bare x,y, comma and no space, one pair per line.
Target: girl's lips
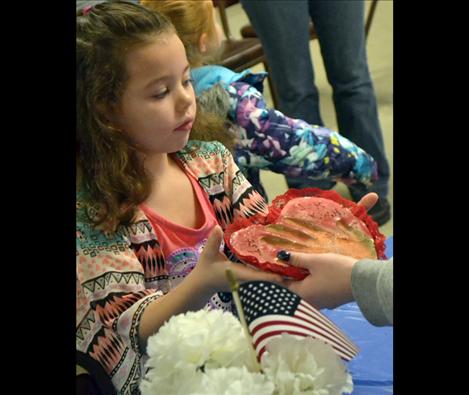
185,127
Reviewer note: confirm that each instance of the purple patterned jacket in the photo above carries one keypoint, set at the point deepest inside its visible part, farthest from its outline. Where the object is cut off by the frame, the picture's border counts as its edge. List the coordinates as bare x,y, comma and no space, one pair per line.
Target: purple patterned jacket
269,140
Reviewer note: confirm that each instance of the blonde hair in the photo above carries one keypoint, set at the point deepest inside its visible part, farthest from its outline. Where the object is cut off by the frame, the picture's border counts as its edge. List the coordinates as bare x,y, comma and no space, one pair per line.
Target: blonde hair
191,19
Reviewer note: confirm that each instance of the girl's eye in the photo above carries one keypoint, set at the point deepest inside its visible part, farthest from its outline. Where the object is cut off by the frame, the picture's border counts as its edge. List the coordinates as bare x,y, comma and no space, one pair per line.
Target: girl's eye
161,95
188,82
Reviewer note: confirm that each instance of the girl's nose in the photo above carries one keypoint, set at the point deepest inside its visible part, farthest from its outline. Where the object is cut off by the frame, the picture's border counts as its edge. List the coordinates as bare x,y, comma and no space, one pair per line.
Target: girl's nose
185,98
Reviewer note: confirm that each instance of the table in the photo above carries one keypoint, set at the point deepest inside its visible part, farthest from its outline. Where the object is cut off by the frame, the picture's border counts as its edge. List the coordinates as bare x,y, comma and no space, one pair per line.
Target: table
372,369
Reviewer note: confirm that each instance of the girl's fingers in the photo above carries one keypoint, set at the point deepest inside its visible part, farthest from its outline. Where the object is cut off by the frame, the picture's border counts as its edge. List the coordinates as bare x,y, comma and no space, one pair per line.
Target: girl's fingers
212,246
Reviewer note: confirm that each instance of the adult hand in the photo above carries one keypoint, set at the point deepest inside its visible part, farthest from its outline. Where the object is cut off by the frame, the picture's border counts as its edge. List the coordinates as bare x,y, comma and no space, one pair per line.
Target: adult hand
369,200
329,283
212,265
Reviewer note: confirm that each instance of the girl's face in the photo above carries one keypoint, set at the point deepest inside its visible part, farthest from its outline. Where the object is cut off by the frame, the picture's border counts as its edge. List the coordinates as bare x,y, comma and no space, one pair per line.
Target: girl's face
157,108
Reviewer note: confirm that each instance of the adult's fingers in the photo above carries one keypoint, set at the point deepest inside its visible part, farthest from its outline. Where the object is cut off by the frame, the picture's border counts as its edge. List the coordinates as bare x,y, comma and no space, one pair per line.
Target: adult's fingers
244,273
313,261
369,200
302,259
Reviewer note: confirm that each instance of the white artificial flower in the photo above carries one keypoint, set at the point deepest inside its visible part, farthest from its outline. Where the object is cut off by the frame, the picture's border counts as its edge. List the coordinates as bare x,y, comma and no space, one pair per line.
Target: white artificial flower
305,366
184,379
207,339
187,345
235,381
206,353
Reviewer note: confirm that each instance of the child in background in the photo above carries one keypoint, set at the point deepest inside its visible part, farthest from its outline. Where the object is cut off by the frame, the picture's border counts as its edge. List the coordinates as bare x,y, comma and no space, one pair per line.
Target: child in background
265,138
148,198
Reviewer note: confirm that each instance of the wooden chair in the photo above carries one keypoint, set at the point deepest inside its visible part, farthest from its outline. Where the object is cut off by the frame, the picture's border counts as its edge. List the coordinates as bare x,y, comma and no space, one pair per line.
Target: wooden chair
247,31
239,55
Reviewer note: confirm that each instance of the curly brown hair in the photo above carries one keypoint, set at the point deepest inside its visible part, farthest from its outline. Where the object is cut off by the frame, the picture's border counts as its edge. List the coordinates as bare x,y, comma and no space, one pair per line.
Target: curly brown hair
108,166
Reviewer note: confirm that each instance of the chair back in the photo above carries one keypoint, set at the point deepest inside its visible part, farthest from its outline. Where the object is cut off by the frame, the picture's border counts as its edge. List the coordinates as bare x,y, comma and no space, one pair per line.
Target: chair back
221,6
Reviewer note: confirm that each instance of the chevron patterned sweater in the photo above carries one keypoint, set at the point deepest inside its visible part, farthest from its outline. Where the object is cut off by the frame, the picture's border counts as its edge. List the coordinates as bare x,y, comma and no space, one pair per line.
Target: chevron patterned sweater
119,275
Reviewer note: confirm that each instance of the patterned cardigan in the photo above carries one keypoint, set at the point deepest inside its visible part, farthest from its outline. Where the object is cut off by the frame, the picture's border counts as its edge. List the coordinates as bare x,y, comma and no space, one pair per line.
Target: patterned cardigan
118,276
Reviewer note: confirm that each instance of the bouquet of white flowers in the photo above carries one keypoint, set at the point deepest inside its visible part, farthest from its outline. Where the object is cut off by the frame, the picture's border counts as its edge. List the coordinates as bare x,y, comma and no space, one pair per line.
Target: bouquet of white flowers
207,353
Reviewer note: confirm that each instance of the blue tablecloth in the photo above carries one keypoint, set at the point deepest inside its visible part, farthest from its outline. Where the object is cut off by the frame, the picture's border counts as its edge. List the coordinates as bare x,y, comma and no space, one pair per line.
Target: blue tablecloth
372,369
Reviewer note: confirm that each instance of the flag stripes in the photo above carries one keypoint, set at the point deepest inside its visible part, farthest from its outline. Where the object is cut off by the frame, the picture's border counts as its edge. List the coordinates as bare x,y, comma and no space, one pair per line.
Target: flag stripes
316,315
263,328
271,310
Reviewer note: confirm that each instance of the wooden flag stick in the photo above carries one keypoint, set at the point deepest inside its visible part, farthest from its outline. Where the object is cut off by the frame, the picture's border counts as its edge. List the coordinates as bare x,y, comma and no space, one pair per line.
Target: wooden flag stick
234,289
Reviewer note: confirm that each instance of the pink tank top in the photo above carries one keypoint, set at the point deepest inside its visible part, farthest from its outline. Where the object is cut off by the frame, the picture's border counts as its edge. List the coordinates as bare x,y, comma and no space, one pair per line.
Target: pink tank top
181,246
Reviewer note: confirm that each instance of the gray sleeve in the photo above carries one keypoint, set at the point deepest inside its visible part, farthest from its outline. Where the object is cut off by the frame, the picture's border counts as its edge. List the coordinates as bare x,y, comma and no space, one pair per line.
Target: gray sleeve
372,287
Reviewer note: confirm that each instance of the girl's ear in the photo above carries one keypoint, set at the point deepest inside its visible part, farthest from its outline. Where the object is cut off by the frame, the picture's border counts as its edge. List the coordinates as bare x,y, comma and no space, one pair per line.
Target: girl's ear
109,114
105,111
203,43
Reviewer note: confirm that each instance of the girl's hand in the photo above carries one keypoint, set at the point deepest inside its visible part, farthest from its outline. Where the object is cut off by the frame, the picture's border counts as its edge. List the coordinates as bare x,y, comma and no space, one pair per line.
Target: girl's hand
210,270
207,278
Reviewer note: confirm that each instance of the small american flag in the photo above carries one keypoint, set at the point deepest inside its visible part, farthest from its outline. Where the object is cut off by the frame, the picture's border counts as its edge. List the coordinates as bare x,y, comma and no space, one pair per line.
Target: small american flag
271,310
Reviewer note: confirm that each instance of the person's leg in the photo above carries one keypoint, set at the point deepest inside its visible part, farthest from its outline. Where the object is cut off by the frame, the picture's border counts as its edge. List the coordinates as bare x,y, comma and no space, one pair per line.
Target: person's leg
340,29
283,28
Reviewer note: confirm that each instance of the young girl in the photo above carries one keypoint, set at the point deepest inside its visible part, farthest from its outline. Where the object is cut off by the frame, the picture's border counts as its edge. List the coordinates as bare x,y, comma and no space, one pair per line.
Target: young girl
148,198
265,138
